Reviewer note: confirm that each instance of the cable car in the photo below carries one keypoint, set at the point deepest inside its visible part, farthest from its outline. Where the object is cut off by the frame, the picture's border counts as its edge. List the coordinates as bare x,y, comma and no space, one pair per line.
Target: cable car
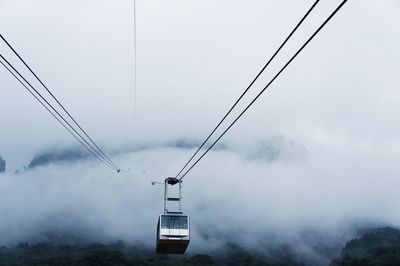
173,227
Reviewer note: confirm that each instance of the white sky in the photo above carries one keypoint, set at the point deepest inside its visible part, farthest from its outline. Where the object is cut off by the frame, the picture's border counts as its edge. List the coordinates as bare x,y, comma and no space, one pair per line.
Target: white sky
194,59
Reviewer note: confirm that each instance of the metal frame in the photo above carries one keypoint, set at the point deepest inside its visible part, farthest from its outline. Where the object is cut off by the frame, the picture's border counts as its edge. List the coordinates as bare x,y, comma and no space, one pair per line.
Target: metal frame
171,181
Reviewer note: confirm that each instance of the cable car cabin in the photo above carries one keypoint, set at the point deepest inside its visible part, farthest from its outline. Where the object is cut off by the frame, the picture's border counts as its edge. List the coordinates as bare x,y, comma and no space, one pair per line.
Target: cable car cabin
173,228
172,234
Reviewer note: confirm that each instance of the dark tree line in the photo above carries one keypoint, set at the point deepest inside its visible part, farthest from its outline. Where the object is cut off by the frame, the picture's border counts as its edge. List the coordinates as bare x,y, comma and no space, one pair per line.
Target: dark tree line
375,247
44,254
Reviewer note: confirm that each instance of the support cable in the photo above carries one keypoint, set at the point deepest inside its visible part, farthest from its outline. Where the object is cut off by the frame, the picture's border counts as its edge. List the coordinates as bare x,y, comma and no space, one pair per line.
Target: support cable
135,107
251,84
52,113
135,74
263,90
59,103
40,95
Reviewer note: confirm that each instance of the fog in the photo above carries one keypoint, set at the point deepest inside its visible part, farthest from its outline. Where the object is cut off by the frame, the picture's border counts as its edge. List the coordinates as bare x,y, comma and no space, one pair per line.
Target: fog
318,153
237,195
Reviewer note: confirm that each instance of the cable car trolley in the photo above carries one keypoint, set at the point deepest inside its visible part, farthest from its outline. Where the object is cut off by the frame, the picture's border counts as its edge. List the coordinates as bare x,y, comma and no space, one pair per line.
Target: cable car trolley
173,228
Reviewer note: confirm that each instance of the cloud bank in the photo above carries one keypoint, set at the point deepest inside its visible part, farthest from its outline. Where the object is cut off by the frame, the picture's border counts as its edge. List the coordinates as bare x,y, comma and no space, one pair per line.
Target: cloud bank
259,198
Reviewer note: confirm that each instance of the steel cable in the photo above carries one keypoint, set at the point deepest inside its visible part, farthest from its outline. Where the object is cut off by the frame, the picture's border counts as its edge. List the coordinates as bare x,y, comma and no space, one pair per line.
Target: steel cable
61,105
264,89
249,86
71,127
47,108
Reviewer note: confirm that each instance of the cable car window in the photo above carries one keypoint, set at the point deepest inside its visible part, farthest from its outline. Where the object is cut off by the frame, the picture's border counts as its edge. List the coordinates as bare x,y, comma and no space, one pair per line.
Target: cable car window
184,222
165,221
175,223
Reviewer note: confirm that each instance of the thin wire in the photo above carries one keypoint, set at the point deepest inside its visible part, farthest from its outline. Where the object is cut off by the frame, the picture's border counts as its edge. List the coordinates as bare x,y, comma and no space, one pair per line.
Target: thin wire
9,70
251,84
153,182
38,93
100,158
135,108
59,103
263,90
135,73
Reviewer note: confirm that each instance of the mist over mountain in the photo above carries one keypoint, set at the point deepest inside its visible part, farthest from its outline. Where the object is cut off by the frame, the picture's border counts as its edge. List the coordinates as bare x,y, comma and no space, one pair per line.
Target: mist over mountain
376,246
270,198
58,156
273,148
268,149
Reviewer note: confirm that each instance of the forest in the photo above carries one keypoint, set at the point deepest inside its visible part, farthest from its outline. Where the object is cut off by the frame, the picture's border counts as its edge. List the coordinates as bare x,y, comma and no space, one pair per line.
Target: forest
379,246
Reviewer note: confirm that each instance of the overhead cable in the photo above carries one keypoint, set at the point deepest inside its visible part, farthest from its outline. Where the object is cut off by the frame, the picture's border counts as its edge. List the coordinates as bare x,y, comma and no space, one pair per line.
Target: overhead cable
53,114
58,113
264,89
249,86
135,74
96,147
